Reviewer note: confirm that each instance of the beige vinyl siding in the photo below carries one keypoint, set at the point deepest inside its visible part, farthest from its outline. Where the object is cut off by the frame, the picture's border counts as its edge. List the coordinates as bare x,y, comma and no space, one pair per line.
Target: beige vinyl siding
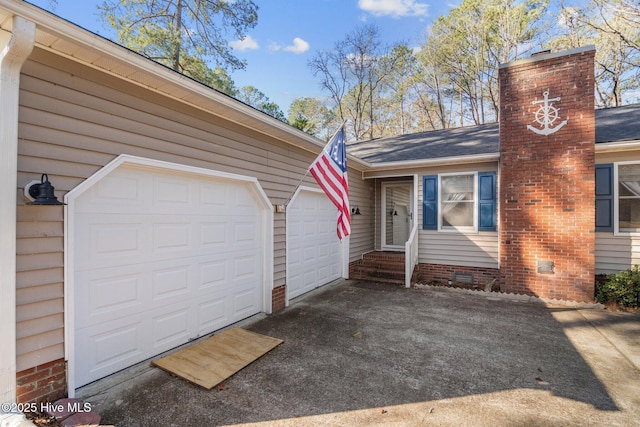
39,282
616,253
468,250
361,194
73,121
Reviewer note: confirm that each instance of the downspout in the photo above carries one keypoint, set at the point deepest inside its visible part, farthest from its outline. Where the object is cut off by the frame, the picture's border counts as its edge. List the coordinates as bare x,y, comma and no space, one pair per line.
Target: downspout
14,54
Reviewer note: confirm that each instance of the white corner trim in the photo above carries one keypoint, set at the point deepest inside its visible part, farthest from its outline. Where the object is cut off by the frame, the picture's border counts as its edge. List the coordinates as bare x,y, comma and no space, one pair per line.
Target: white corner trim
12,57
146,163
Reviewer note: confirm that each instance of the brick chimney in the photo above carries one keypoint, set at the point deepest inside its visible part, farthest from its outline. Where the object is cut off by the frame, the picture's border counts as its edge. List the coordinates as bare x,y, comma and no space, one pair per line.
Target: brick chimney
547,156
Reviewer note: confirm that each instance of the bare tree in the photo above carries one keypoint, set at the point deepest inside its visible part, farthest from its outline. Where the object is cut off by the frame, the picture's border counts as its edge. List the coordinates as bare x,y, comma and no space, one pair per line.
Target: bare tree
353,74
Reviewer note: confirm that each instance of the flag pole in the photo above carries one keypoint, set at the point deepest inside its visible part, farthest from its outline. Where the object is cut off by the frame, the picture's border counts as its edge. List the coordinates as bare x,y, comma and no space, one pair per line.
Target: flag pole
296,188
307,172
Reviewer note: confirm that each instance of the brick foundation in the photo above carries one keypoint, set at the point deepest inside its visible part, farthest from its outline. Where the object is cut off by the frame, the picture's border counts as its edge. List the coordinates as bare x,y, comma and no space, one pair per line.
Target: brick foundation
43,383
278,296
444,273
547,207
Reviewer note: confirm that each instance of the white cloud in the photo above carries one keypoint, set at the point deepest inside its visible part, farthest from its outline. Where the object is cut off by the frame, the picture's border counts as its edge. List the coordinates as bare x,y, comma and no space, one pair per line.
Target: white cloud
274,47
247,43
394,8
299,46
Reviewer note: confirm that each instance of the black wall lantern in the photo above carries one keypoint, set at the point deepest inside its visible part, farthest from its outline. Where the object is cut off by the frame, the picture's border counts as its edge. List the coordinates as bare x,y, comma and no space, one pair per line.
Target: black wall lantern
356,211
42,193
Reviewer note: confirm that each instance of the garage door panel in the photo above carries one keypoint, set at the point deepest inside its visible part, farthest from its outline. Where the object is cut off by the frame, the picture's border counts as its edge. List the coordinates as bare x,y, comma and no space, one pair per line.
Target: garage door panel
212,314
160,259
213,194
121,192
171,237
245,268
244,302
110,242
314,253
212,234
170,328
213,274
244,199
170,282
173,192
100,297
110,348
112,294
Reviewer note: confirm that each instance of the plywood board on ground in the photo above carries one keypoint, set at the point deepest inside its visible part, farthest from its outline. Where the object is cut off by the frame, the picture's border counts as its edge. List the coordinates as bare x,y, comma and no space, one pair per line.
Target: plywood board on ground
211,361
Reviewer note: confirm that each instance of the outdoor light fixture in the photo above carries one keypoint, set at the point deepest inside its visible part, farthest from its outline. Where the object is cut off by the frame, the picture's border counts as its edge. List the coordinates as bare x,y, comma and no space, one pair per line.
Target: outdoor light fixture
41,193
356,211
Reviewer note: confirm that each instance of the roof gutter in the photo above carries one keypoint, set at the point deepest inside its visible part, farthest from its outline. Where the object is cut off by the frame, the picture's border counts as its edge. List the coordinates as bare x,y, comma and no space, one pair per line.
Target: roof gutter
442,161
13,55
614,147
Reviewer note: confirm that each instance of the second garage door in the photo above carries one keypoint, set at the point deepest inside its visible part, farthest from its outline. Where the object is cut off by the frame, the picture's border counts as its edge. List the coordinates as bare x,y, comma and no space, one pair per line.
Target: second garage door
314,252
160,258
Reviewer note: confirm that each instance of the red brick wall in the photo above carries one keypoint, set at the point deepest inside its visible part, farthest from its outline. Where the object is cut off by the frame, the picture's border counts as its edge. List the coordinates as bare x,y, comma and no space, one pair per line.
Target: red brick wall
440,272
44,383
278,296
547,183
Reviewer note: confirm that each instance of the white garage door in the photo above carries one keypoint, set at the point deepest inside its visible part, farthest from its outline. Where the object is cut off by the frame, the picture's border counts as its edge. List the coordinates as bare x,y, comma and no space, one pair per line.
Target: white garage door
314,253
160,258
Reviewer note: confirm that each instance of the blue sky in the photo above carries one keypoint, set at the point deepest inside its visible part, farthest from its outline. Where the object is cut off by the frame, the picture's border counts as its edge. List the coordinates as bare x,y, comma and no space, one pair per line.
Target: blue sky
290,32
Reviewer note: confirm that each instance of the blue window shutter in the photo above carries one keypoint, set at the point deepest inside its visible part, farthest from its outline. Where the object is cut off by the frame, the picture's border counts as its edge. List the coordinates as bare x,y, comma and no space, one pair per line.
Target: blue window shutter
604,197
487,201
430,202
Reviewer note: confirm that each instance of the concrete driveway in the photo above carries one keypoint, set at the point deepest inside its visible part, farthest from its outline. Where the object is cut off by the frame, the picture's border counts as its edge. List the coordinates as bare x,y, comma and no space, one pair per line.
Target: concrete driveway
363,354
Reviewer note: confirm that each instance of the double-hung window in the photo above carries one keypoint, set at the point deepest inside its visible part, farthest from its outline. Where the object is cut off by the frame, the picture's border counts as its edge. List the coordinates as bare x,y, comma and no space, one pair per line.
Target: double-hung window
618,197
459,202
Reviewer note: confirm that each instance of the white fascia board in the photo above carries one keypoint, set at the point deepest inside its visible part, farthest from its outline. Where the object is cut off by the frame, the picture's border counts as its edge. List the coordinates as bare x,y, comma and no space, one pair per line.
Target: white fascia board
615,147
425,163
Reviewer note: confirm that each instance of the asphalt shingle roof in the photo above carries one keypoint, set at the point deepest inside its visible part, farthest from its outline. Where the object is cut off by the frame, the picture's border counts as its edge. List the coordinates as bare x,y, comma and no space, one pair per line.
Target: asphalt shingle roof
618,124
612,125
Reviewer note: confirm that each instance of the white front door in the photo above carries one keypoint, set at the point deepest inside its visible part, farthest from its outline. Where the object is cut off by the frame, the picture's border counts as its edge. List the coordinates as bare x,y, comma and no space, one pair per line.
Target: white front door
396,216
160,258
314,252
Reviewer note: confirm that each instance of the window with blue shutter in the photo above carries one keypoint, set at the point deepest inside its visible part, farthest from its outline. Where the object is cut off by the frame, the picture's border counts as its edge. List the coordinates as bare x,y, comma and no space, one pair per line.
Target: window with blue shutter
487,201
604,197
430,202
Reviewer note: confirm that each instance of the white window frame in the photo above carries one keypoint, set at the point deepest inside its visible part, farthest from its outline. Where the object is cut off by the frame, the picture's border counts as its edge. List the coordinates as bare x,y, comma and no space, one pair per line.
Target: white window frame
616,201
449,229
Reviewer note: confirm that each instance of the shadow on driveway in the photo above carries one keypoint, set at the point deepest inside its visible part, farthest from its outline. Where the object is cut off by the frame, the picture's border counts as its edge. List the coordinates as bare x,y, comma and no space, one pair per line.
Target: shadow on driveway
357,354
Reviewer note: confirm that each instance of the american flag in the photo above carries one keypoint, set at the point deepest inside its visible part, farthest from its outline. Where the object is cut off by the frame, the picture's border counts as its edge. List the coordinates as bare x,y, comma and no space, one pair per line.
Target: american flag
330,171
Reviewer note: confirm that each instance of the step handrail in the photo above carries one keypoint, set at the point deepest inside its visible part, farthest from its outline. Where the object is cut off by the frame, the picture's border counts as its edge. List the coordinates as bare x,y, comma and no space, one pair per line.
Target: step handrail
410,255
